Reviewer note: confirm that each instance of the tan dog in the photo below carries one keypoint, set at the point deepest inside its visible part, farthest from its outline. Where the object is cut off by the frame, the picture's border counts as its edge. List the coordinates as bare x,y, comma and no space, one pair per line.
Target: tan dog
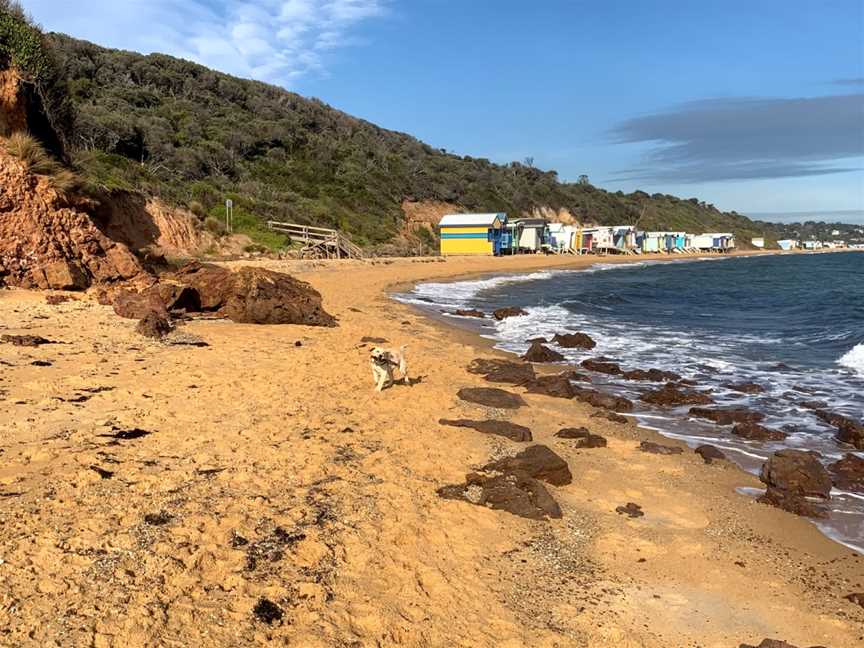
384,362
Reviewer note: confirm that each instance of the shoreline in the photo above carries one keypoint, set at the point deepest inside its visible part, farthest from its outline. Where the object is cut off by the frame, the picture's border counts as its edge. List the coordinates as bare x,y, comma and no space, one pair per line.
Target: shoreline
253,433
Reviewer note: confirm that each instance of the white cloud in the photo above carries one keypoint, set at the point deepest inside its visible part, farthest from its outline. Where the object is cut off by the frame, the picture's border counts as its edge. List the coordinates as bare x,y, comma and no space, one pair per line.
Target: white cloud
278,41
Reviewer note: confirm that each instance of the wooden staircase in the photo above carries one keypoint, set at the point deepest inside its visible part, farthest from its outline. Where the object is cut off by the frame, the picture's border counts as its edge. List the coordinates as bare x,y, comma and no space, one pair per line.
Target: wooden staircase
318,242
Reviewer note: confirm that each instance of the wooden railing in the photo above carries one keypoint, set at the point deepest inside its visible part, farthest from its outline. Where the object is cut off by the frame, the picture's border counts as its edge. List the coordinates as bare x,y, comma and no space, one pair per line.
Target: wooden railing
319,242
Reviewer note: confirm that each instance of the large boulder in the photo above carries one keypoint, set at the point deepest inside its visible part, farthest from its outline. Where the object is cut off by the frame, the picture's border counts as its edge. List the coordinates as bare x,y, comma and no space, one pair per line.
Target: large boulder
757,432
538,462
508,311
604,401
539,353
671,396
491,397
848,430
502,371
602,366
727,416
710,453
848,473
574,341
506,429
583,437
651,375
792,476
516,493
658,448
154,325
469,312
557,386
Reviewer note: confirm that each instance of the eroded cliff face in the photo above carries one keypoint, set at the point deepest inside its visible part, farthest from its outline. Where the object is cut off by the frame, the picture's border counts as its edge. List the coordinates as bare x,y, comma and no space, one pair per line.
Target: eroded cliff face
47,243
13,111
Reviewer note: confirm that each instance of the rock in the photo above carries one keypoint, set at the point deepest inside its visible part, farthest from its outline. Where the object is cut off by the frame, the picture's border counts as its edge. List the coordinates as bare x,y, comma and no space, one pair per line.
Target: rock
267,611
471,312
769,643
798,472
160,298
630,510
657,448
575,376
557,386
54,300
745,388
154,325
709,453
848,473
509,311
583,438
610,416
813,404
516,493
505,429
538,462
857,598
539,353
491,397
792,503
574,341
652,375
670,396
366,339
541,340
727,416
502,371
848,430
603,367
756,432
25,340
604,401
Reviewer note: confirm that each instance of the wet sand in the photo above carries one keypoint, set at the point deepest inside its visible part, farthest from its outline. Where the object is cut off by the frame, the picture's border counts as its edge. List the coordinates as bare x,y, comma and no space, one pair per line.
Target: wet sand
275,471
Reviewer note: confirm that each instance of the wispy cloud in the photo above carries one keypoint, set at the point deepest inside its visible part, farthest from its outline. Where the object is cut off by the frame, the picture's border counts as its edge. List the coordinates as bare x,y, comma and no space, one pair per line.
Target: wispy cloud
279,41
747,138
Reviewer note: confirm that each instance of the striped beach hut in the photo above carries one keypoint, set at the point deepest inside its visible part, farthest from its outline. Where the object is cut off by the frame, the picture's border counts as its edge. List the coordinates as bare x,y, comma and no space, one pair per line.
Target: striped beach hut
474,234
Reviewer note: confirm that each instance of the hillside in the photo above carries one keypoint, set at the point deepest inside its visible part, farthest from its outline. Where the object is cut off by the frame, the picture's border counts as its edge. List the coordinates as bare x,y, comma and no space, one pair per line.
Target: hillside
193,137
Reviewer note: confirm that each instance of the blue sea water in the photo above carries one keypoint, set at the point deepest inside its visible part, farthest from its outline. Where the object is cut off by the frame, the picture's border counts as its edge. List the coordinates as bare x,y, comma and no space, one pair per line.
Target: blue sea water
791,323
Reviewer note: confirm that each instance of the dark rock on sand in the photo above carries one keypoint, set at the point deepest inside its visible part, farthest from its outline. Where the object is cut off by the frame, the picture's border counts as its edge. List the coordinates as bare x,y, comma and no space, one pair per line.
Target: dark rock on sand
757,432
848,430
575,376
154,325
857,598
539,353
374,340
745,388
671,396
610,416
557,386
582,437
267,611
792,503
505,429
508,311
25,340
491,397
798,472
604,401
538,462
769,643
710,453
601,366
158,519
651,375
516,493
470,312
727,416
54,300
630,510
574,341
848,473
502,371
657,448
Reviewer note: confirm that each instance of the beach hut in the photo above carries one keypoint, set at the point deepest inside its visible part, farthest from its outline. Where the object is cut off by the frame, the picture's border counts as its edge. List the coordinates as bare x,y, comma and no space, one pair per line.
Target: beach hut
472,234
529,234
602,239
651,241
624,239
563,238
758,242
703,242
787,244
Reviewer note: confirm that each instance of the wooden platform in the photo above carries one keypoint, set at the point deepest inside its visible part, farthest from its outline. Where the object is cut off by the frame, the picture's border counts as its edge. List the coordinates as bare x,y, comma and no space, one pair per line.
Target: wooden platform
319,242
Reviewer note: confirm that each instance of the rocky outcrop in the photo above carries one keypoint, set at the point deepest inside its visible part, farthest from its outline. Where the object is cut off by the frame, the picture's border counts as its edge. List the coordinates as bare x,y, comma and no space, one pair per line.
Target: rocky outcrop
848,473
538,462
602,366
727,416
848,430
610,416
756,432
154,325
604,401
710,453
470,312
631,510
515,493
745,388
556,386
671,396
491,397
791,477
582,437
656,448
651,375
539,353
504,429
502,371
508,311
49,242
574,341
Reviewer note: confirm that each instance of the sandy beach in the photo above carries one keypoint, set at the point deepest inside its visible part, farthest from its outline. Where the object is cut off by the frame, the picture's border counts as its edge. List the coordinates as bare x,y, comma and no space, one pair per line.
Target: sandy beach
151,493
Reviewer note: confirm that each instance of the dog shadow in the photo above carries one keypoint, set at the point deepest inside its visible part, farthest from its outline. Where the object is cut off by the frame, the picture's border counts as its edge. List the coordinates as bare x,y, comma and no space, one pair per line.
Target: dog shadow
411,381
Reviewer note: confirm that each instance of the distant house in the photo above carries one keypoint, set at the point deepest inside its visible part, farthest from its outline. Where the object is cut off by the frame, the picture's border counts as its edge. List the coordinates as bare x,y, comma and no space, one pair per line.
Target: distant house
787,244
758,242
472,234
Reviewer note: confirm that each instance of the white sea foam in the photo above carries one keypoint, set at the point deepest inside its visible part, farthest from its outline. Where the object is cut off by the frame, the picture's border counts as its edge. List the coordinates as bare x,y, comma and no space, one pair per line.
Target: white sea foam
854,359
455,293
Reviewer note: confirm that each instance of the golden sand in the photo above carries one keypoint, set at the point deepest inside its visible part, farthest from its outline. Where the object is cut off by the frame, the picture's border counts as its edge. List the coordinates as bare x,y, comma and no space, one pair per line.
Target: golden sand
275,471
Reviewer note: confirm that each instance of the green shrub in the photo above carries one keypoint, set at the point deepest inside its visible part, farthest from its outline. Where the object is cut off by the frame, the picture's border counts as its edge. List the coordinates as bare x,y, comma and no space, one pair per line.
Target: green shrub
214,226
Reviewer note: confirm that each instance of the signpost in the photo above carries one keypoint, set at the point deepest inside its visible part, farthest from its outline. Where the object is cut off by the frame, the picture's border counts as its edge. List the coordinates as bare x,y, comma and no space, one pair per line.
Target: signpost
229,216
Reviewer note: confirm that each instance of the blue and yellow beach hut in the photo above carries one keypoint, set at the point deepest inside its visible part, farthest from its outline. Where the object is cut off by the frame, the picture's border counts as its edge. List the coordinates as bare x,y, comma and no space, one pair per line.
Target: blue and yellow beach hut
476,234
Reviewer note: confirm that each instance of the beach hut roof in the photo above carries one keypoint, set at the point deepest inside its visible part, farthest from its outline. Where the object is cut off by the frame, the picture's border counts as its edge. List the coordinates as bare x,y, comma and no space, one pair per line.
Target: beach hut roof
530,222
471,220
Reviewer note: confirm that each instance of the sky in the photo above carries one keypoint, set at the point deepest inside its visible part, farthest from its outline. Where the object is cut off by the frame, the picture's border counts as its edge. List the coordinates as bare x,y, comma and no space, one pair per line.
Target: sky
756,106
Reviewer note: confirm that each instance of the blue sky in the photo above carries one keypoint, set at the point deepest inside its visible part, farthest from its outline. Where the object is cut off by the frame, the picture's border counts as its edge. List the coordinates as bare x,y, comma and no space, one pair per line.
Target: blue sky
756,106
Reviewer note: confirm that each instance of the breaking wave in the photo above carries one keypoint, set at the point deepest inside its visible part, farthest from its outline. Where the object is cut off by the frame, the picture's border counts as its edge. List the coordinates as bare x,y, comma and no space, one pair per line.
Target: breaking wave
854,359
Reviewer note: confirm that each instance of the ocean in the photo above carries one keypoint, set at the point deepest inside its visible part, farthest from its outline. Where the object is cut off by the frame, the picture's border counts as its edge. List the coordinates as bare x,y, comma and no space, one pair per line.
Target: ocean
794,324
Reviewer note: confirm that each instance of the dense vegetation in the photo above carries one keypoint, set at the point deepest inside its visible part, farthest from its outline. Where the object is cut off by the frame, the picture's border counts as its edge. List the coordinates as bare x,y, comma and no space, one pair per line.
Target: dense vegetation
818,230
194,137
